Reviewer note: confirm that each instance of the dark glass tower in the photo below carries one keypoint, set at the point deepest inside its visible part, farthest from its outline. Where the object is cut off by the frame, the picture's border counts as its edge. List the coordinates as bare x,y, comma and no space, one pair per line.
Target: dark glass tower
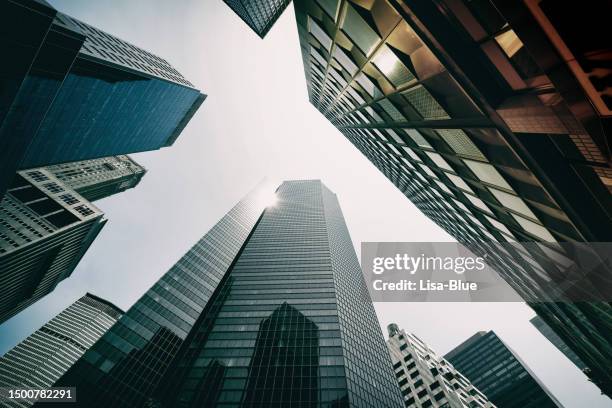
498,372
292,323
287,303
85,93
491,118
551,336
260,15
43,357
39,51
126,365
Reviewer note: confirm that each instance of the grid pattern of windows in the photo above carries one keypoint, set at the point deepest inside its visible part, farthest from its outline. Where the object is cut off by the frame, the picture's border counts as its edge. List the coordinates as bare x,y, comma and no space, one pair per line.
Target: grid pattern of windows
427,380
43,235
102,45
492,367
39,360
260,15
124,367
114,98
404,89
99,178
292,324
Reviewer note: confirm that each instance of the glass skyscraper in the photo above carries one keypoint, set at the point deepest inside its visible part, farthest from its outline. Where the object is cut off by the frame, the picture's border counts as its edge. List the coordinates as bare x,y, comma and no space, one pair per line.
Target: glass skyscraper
126,365
85,94
551,336
292,323
45,355
498,372
468,108
269,309
260,15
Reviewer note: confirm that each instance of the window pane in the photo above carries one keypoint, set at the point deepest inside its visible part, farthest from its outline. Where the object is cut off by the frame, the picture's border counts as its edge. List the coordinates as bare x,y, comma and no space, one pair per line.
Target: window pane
513,202
535,229
319,34
487,173
460,143
439,161
392,67
425,104
359,31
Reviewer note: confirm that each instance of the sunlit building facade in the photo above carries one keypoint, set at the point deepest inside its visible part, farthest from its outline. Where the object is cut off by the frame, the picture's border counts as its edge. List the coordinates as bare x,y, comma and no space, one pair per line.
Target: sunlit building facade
125,367
426,379
270,309
45,355
469,109
292,324
497,371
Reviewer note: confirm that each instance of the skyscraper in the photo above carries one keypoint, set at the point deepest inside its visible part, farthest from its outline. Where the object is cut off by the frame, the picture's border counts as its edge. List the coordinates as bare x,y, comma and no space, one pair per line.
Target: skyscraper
47,223
39,52
43,357
86,94
557,342
99,178
126,365
260,15
427,380
491,118
292,323
45,229
498,372
284,319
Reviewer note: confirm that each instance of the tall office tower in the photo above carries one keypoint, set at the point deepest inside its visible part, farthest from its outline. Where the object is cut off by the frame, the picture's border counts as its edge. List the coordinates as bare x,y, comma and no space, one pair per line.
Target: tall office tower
557,342
126,365
99,178
499,373
491,117
39,52
43,357
84,93
260,15
284,320
45,229
292,323
427,380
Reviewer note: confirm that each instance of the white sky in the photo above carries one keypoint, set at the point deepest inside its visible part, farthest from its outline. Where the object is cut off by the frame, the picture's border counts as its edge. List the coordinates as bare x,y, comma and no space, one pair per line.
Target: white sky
257,122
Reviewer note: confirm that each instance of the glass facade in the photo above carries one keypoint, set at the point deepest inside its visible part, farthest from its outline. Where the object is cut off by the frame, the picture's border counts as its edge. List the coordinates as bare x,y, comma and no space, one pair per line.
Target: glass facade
43,357
72,92
452,102
125,366
103,110
260,15
492,367
547,332
291,324
39,52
